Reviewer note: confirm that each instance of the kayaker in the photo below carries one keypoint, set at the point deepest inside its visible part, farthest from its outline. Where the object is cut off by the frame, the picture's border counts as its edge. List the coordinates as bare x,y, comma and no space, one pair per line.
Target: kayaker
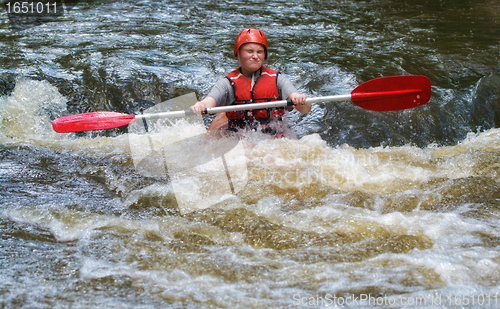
251,83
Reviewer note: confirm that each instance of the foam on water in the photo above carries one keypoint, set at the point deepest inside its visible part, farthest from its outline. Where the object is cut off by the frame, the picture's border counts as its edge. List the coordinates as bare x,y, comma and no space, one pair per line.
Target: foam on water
312,219
25,114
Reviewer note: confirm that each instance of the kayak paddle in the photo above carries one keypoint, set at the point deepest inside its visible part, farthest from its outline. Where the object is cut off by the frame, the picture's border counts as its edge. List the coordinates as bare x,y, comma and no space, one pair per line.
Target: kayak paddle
380,94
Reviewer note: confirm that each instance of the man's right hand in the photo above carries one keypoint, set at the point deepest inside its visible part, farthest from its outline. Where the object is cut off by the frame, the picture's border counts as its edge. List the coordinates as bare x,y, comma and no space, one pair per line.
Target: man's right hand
201,106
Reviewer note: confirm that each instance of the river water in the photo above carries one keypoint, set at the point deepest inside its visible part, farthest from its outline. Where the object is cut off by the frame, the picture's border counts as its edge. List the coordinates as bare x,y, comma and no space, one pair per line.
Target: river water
362,209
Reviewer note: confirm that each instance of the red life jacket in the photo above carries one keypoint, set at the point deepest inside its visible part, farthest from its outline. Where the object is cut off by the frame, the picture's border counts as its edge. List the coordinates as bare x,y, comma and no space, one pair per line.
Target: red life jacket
265,89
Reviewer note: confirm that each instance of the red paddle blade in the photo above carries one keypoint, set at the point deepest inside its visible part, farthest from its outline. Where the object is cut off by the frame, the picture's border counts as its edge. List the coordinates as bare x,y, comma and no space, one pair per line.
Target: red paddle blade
91,121
392,93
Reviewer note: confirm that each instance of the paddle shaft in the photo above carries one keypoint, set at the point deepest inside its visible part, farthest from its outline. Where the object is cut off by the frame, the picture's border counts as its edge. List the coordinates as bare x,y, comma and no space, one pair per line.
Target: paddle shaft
275,104
240,107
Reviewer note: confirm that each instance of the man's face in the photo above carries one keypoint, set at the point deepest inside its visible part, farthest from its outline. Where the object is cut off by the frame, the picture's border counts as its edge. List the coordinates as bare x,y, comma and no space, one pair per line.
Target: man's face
251,57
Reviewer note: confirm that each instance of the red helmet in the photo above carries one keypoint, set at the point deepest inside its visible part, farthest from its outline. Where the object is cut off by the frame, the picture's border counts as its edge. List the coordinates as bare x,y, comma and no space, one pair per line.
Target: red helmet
250,36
